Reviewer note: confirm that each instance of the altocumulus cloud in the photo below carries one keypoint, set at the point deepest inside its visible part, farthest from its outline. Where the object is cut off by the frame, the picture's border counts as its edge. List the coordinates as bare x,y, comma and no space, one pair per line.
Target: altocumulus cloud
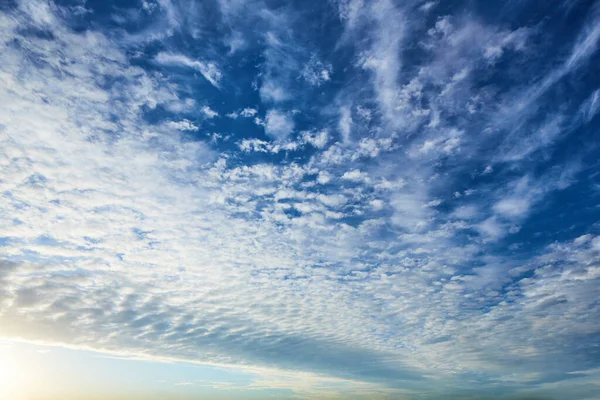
403,198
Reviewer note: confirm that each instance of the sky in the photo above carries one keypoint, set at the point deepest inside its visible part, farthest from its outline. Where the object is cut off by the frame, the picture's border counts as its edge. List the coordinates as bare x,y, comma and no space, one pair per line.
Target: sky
332,199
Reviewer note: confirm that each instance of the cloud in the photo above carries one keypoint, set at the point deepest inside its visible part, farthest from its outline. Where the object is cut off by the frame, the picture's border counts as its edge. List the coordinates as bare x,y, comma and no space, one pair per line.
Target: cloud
584,47
354,175
465,212
492,229
235,42
245,113
591,106
512,207
208,112
316,72
210,71
263,146
333,200
316,139
517,146
382,58
183,125
397,261
345,123
274,91
428,6
278,124
281,62
248,112
324,177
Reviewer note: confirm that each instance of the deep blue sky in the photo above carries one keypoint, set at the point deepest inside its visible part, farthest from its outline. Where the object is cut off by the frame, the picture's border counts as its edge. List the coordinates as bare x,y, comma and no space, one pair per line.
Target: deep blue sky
378,199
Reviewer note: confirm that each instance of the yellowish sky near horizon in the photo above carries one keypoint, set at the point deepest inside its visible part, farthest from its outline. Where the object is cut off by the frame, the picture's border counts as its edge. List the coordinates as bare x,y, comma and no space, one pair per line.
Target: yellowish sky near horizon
30,371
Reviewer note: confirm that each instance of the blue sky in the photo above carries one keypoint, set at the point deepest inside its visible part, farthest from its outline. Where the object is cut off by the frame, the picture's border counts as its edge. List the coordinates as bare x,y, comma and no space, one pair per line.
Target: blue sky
335,199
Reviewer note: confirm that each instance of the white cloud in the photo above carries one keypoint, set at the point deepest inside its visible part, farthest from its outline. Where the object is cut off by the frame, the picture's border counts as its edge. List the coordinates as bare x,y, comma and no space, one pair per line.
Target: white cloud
324,177
364,113
235,42
465,212
345,123
317,139
183,125
274,91
585,45
377,204
280,54
387,185
156,244
410,211
278,124
428,6
245,113
316,72
382,58
248,112
517,146
262,146
208,112
355,175
590,107
492,229
350,11
209,70
333,200
513,206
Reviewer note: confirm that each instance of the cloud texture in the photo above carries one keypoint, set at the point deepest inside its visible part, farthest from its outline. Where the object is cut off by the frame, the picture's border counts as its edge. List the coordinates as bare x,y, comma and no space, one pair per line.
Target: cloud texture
400,195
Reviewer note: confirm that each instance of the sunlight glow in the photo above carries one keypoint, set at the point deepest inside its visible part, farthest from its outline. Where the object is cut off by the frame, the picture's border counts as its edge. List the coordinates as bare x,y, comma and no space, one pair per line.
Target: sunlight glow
11,373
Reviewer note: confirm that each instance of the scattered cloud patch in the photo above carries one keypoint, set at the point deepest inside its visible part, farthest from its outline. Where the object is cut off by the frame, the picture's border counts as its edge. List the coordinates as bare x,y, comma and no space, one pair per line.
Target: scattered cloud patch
208,112
183,125
278,124
244,113
315,72
317,139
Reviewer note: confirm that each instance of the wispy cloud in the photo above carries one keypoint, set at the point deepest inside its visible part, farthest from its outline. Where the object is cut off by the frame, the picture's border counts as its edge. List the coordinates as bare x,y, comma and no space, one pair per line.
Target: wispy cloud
209,70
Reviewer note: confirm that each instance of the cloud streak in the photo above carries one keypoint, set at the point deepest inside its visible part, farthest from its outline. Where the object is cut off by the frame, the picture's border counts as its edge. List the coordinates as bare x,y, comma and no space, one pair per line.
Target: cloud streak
209,70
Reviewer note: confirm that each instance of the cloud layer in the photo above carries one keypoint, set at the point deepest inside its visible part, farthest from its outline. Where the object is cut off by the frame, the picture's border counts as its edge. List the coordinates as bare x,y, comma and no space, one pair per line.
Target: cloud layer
402,196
